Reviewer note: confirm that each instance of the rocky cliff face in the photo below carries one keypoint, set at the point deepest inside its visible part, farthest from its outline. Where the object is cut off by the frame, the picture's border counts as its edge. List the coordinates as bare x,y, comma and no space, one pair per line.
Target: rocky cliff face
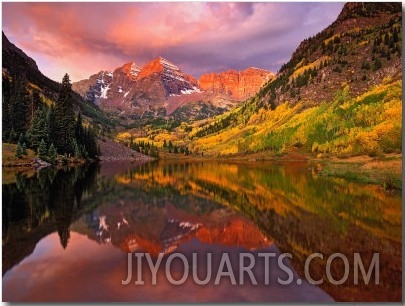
108,88
156,82
160,88
174,81
238,85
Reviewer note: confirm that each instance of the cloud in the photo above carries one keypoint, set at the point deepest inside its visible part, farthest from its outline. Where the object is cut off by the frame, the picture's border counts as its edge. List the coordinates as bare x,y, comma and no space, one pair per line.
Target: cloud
83,38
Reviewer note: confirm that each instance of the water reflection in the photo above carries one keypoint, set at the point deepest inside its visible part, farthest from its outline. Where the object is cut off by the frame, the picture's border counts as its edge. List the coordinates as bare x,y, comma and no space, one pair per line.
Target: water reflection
37,206
163,207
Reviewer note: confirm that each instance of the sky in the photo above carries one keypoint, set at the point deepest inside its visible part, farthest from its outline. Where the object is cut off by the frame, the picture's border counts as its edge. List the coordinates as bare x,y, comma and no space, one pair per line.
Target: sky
200,37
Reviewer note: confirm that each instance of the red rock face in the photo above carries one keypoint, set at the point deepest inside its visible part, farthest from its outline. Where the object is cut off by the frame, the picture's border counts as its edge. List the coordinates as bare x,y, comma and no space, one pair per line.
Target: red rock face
160,87
131,70
152,67
156,83
237,85
171,77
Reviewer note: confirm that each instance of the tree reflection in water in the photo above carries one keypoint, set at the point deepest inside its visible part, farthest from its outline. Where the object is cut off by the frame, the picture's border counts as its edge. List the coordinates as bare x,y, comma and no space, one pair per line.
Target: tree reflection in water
144,207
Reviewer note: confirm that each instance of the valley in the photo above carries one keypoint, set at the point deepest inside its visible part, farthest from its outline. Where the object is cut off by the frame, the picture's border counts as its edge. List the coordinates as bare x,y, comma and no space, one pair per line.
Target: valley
340,95
189,128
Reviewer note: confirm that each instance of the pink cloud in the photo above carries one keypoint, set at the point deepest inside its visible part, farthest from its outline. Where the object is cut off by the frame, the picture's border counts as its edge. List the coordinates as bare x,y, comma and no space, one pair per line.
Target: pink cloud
83,38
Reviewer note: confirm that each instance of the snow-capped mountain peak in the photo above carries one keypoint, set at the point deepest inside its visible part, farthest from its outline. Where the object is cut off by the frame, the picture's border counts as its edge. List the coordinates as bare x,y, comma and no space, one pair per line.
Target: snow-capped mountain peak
160,87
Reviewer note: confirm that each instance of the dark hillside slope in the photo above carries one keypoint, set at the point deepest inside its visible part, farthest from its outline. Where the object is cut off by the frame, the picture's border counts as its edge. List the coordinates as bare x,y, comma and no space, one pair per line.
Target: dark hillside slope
361,48
17,63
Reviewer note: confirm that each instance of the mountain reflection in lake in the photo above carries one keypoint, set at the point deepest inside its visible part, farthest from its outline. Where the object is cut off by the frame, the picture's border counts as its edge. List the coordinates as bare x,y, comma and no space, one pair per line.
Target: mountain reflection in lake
66,233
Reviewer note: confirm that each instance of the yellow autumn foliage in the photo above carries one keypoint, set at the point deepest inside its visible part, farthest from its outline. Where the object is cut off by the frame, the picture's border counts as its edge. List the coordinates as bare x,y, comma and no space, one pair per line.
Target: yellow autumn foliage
367,124
314,64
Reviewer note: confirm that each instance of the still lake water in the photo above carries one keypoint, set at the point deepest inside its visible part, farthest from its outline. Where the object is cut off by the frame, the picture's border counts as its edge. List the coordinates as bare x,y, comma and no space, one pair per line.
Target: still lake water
67,233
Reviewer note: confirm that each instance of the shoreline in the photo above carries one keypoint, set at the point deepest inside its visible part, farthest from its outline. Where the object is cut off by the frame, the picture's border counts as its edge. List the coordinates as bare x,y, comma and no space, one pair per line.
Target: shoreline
382,170
385,170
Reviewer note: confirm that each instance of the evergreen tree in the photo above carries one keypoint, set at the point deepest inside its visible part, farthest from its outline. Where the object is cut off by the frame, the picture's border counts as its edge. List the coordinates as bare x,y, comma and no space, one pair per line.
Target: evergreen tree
36,102
91,144
76,149
21,139
6,119
53,155
52,125
79,130
64,159
24,149
15,105
19,152
12,136
85,140
42,152
19,106
40,127
64,118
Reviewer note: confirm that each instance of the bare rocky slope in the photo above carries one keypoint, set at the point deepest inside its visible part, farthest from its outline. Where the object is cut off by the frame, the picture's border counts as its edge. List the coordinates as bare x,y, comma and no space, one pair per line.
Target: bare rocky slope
160,88
113,151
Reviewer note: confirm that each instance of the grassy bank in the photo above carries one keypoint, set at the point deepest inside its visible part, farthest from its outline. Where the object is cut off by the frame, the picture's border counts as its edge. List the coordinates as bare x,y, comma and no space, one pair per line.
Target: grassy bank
10,160
385,171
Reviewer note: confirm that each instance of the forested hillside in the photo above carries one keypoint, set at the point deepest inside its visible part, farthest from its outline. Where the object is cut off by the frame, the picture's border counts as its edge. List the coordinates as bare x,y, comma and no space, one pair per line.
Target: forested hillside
45,126
340,93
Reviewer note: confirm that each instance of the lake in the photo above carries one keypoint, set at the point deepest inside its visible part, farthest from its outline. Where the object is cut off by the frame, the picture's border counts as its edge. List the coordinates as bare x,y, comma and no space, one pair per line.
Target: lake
67,233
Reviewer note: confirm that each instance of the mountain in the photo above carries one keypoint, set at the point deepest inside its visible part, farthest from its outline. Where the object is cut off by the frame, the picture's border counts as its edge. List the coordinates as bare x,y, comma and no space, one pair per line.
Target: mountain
340,93
16,63
108,89
161,88
361,48
238,85
159,82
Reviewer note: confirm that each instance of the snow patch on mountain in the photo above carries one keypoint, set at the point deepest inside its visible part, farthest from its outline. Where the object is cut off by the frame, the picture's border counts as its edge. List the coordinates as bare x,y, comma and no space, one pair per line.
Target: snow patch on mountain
189,91
171,71
104,91
135,69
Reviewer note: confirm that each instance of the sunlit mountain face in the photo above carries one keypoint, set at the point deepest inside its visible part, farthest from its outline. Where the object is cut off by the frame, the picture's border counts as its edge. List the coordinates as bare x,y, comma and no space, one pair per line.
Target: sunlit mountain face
161,88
